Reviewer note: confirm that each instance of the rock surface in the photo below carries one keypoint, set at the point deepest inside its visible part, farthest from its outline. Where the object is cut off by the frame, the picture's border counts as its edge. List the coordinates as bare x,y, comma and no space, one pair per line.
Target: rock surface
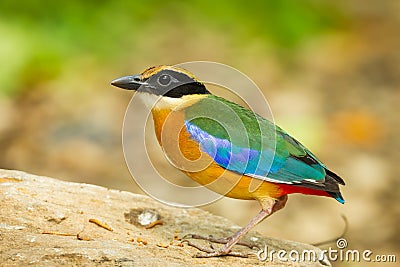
47,222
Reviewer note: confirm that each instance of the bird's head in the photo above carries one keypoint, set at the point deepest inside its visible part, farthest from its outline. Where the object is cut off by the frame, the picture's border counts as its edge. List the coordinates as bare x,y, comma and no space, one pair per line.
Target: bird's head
163,80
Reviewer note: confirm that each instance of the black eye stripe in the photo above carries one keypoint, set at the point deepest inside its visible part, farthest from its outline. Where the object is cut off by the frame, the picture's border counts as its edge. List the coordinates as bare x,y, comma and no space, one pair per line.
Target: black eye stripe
174,84
181,77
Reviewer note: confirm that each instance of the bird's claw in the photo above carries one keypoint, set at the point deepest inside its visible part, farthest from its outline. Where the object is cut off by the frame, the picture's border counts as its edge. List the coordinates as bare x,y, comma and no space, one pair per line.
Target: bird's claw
219,253
212,239
211,251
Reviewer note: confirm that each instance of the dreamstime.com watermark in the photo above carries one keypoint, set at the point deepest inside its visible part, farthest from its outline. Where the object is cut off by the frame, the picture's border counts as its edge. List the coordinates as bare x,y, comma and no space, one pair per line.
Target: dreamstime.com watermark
338,254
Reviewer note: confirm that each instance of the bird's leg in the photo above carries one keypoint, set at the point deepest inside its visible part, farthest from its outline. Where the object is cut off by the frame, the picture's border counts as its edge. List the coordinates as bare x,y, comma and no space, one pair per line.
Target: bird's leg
268,208
226,249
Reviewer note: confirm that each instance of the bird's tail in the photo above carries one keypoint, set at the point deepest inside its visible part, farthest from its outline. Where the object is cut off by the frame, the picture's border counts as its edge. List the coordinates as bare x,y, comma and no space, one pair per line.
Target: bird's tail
333,179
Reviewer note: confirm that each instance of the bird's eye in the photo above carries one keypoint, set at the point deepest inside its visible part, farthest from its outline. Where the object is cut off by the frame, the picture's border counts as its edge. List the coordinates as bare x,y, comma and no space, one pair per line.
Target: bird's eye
164,79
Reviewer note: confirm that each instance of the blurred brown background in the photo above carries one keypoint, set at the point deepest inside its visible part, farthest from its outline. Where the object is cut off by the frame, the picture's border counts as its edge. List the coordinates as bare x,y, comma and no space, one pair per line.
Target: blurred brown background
330,71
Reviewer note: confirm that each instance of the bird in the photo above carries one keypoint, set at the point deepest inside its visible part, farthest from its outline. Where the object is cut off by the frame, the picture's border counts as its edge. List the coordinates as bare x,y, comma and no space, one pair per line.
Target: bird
248,157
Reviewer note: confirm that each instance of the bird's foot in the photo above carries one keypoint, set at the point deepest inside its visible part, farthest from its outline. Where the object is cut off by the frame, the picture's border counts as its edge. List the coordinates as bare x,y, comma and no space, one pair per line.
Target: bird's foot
211,251
223,240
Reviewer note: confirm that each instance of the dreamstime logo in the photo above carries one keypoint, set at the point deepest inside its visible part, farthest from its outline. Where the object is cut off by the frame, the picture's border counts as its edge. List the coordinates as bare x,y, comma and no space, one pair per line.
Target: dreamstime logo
143,157
338,254
341,243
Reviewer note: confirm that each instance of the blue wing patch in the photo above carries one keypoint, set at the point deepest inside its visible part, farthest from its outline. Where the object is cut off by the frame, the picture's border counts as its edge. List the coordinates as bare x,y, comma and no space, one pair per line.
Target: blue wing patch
265,165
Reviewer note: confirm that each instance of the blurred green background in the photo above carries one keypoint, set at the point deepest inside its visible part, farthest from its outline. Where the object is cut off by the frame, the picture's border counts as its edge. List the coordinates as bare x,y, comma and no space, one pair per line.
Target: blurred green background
330,71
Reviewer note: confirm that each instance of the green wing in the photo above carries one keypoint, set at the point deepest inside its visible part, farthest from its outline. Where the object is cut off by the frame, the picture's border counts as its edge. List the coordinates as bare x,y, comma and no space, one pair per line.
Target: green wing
244,142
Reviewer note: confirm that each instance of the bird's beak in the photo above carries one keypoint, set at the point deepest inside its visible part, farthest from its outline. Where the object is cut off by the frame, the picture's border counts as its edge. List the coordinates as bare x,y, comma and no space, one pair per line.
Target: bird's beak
132,82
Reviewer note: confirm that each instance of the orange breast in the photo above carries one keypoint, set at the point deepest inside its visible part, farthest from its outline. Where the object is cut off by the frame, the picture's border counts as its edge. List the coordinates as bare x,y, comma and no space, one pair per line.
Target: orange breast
185,154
